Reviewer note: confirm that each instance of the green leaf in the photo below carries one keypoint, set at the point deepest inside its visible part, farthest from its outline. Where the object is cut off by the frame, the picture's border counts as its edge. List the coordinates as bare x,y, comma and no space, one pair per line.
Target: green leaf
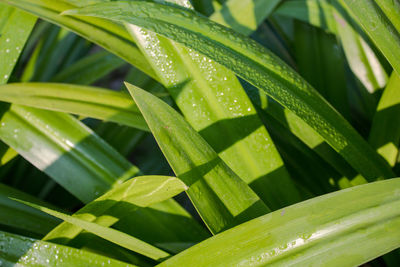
21,217
378,27
321,63
110,36
12,41
244,16
139,192
89,69
315,12
385,130
23,251
391,8
362,59
255,64
81,100
344,228
65,149
220,197
213,101
122,202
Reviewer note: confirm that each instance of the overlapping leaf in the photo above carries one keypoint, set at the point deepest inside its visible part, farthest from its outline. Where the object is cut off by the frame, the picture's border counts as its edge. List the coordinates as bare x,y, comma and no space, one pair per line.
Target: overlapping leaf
322,231
255,64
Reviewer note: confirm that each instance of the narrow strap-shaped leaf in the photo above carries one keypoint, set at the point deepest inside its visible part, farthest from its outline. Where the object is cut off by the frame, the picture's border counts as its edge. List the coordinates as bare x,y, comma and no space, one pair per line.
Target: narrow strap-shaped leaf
89,69
255,64
385,130
77,99
19,216
315,12
391,8
54,142
139,192
320,62
244,16
379,28
122,201
362,59
215,104
198,166
108,35
18,250
344,228
15,27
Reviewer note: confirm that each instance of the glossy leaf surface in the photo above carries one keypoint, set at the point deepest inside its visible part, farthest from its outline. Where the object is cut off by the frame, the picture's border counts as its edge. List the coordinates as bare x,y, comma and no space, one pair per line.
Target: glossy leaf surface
255,64
302,235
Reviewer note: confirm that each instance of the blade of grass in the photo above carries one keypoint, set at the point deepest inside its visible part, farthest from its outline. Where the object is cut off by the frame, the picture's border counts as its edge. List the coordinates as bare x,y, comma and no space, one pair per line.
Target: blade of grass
254,64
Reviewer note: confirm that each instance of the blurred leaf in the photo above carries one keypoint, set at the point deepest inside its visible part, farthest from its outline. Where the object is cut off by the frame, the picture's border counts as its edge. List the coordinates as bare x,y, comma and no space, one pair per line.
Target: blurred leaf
108,35
378,27
77,99
315,12
391,8
322,231
385,129
21,217
89,69
244,16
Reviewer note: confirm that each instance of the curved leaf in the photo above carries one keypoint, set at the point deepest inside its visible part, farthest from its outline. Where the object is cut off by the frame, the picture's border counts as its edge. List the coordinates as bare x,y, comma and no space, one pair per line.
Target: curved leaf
54,142
21,217
385,128
22,251
108,35
322,231
89,69
197,165
379,28
214,102
255,64
77,99
139,192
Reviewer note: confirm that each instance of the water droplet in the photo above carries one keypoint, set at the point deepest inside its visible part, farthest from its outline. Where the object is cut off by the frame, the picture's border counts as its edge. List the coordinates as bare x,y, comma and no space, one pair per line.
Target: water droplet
7,50
6,76
249,109
8,40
